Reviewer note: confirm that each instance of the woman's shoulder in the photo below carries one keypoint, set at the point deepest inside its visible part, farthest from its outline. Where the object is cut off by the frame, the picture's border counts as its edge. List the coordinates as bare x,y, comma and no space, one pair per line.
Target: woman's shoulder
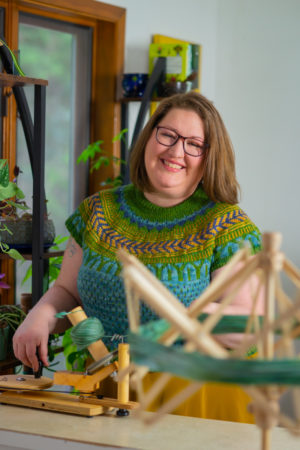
230,222
229,213
102,197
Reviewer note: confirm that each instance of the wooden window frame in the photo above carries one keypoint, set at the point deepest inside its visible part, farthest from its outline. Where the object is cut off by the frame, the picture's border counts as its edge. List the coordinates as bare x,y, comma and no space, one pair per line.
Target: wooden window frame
108,24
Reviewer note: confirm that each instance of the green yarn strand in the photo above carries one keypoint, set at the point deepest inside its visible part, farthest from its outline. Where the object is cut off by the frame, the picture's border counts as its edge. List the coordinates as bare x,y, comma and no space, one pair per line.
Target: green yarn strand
86,332
198,367
227,324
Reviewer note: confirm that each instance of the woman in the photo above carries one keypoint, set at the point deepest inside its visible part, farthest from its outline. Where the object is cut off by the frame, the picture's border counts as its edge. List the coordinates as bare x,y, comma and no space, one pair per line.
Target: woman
179,217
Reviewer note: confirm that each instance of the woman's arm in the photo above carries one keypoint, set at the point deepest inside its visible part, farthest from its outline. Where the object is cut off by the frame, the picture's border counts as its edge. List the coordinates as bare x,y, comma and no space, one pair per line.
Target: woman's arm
34,332
240,305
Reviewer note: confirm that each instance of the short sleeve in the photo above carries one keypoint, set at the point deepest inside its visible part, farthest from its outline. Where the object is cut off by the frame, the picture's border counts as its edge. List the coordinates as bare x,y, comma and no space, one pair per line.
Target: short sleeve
249,235
77,222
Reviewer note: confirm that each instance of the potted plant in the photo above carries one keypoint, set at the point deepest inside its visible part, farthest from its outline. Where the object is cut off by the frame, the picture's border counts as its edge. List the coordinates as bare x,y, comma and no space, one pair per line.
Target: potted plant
11,316
15,226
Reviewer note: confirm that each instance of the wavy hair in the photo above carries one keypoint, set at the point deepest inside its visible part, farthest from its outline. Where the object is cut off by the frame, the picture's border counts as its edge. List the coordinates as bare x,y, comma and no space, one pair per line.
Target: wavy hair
219,178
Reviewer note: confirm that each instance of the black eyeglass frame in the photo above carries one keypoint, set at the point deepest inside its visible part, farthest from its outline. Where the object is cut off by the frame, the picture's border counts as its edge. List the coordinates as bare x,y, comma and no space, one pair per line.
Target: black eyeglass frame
179,136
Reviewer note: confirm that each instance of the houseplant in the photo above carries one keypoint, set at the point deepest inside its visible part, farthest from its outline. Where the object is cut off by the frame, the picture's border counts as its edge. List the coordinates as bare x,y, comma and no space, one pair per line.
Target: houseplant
98,157
11,198
11,316
16,226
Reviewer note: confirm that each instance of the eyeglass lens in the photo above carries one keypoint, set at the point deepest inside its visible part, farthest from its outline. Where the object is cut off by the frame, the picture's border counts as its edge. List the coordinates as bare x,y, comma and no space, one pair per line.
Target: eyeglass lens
167,137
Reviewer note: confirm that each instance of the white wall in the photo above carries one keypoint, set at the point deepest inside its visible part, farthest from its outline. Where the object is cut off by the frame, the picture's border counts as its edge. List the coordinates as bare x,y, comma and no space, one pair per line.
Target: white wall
251,70
258,94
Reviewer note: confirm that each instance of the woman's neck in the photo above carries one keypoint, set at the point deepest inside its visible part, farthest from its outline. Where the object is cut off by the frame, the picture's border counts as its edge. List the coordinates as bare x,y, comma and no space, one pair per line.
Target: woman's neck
164,201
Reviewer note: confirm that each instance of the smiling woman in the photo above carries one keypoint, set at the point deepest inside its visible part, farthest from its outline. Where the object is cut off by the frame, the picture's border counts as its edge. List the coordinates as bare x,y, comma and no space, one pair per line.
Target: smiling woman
179,217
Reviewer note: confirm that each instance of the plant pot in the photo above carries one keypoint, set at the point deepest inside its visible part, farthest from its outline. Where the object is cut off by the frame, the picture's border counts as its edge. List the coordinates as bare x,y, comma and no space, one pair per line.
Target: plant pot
4,336
134,84
21,233
166,89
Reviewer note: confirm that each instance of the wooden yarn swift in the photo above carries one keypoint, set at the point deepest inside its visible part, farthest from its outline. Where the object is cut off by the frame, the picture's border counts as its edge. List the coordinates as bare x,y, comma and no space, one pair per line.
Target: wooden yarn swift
26,390
282,315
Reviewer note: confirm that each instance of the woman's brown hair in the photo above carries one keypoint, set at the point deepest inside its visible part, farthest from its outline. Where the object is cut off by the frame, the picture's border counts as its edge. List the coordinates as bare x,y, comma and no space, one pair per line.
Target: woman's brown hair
219,179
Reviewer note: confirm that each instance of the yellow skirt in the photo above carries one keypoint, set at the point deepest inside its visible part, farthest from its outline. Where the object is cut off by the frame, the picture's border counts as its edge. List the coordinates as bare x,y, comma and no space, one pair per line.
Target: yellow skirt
217,401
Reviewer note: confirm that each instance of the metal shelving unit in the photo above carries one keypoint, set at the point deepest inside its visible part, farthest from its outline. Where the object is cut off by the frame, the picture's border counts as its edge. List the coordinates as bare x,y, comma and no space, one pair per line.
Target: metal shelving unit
34,131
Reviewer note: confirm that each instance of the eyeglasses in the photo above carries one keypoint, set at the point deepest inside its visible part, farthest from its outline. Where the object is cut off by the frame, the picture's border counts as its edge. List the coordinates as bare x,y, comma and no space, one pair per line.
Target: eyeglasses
191,146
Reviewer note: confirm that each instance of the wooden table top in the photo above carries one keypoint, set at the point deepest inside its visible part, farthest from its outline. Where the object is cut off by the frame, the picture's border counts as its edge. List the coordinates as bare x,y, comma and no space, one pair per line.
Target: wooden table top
29,428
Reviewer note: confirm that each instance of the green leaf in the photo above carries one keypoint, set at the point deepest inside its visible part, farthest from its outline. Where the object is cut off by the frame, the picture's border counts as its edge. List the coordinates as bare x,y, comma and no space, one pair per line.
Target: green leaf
20,194
27,276
13,253
17,205
8,191
90,151
4,173
120,136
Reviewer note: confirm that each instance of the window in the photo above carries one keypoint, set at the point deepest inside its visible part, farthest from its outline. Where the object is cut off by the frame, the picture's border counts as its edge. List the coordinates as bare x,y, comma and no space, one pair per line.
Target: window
61,53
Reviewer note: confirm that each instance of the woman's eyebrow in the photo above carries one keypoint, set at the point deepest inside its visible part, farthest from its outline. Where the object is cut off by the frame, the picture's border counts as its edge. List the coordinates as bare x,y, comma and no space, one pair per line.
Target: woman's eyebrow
174,129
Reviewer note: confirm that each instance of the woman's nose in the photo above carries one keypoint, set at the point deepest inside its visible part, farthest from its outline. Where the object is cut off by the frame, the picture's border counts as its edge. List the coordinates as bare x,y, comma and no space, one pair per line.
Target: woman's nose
178,149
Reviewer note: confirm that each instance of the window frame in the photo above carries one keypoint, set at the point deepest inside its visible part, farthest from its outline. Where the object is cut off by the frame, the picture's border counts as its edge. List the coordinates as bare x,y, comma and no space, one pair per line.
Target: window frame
108,41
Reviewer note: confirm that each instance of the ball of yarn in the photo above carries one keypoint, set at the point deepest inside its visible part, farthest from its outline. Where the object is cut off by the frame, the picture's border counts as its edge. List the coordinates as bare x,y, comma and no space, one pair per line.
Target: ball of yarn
86,332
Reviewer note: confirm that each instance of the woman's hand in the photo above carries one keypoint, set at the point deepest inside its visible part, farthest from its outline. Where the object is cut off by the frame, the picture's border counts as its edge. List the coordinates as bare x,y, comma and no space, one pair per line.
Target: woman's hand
32,337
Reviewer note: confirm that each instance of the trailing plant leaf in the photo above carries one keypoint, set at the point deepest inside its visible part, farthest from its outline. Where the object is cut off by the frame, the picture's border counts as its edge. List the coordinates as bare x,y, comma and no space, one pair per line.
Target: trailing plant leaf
95,149
75,360
54,263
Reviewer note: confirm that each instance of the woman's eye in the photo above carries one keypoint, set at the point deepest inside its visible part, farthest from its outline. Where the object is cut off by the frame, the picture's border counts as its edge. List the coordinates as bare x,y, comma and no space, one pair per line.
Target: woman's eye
169,135
195,144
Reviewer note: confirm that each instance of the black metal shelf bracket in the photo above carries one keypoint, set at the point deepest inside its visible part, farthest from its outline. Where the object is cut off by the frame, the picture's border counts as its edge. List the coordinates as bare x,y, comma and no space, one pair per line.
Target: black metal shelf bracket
157,75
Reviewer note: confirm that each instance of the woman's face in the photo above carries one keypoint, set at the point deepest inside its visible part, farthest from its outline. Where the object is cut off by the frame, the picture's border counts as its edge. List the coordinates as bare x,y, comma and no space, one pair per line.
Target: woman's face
174,175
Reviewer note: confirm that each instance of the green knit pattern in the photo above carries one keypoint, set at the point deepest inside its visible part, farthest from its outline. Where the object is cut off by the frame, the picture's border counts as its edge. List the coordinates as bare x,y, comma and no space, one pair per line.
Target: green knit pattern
181,246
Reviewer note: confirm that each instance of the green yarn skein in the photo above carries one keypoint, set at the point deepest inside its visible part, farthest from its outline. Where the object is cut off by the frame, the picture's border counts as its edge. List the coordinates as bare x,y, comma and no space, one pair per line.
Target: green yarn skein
86,332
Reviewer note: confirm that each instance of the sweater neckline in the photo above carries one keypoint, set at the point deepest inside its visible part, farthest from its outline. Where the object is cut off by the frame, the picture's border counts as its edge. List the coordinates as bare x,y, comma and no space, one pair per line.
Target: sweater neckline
140,206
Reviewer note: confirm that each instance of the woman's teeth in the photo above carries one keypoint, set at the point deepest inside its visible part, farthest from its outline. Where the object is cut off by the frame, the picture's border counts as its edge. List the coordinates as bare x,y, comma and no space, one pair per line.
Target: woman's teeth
174,166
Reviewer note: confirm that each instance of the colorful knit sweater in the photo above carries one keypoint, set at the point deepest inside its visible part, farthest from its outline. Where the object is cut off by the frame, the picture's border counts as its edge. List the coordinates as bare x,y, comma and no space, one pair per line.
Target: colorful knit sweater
181,245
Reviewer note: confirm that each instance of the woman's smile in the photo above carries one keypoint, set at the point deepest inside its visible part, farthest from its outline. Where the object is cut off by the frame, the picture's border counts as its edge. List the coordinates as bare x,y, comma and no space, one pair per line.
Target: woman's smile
172,165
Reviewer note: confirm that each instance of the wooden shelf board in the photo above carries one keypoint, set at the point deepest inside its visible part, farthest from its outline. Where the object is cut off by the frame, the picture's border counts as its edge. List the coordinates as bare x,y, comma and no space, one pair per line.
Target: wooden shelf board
15,80
28,256
139,99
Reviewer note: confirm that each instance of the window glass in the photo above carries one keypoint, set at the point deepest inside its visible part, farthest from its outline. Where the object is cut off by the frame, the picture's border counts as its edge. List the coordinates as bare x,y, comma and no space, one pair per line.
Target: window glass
55,51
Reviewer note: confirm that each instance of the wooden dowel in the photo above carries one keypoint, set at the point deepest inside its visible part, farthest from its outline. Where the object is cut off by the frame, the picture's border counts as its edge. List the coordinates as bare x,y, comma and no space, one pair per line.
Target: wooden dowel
153,392
270,327
253,322
292,271
175,313
132,304
124,361
289,424
213,319
266,439
220,284
170,405
211,294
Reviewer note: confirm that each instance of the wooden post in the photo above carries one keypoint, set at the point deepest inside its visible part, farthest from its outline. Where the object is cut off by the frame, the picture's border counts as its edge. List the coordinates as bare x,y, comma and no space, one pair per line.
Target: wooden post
124,360
271,265
123,384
